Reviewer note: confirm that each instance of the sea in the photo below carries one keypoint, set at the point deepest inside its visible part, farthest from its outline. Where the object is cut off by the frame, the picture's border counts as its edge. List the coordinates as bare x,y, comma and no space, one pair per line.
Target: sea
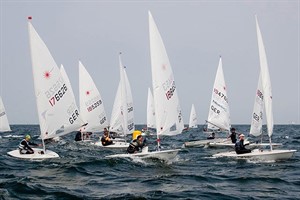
83,172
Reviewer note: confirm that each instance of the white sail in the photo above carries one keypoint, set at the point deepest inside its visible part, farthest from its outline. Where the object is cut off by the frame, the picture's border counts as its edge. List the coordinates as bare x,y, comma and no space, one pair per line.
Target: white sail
55,103
266,81
219,115
91,103
129,100
150,110
120,117
193,118
257,115
4,125
70,125
167,108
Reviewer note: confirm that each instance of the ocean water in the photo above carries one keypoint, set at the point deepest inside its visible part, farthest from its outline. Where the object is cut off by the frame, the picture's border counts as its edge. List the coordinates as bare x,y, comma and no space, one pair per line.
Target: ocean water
83,172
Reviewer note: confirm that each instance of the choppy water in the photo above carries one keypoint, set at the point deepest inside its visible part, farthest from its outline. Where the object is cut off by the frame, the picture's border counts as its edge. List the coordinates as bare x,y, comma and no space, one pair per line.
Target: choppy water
82,172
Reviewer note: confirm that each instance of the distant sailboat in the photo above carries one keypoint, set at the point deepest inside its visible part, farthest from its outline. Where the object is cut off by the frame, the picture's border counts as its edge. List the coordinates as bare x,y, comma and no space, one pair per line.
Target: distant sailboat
267,99
219,115
4,125
193,118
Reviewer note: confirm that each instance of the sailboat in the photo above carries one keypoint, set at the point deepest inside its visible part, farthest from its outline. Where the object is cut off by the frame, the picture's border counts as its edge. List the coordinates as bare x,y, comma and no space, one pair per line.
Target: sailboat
4,125
119,116
168,118
91,104
150,115
193,118
267,100
122,118
55,103
218,115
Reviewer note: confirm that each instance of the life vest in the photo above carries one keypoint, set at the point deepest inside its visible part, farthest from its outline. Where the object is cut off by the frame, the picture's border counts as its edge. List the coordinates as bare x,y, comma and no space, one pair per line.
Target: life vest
21,146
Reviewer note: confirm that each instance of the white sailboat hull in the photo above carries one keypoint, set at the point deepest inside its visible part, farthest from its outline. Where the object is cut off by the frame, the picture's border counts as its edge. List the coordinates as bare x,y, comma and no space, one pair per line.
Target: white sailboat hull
166,155
253,145
266,155
35,156
115,145
201,143
224,143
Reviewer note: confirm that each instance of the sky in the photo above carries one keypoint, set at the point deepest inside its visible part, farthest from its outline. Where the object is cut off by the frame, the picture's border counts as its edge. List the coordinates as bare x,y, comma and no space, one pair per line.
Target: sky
195,34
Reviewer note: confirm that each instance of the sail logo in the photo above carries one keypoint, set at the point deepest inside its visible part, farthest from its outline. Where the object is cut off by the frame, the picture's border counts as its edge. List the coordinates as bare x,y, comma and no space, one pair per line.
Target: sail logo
47,75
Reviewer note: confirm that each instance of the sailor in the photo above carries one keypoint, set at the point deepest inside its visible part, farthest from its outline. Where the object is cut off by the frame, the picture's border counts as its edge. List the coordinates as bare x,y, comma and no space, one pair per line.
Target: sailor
232,135
105,139
24,147
240,147
136,145
78,136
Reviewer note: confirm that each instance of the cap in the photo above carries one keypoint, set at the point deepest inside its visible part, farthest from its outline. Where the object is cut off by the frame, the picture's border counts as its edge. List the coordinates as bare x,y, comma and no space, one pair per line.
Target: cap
242,135
27,136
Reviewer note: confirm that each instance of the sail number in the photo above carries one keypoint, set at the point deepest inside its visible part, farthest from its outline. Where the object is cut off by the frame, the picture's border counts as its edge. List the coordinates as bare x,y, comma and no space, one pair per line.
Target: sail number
58,95
94,105
2,114
257,117
130,109
171,91
260,94
221,94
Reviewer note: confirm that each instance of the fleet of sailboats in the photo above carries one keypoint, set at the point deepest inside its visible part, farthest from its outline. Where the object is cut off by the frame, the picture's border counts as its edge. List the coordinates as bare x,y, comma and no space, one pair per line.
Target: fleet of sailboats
266,88
59,115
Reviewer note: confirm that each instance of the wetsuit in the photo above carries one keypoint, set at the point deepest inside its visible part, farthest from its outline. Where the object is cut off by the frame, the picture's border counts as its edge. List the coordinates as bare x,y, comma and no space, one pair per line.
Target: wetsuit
78,136
240,148
233,137
105,140
135,146
24,147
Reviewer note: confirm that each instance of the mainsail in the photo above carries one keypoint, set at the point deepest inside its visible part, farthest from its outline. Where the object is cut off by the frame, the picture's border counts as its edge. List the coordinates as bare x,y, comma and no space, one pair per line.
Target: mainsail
218,114
167,108
4,125
91,103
